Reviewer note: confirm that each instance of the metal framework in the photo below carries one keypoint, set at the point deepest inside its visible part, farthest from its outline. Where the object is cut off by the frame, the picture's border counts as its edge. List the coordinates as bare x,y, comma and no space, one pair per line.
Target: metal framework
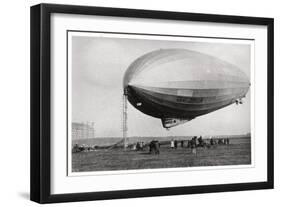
83,130
124,119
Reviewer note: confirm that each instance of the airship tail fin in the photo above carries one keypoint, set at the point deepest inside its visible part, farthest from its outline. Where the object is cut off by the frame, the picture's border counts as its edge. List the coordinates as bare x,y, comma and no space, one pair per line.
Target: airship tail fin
172,122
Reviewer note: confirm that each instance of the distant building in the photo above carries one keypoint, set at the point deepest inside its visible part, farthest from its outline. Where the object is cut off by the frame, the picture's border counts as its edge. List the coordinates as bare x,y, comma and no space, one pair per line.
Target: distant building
83,130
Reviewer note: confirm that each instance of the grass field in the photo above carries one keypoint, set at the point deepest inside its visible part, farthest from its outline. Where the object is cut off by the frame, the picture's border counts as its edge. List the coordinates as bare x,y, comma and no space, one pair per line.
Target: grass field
118,159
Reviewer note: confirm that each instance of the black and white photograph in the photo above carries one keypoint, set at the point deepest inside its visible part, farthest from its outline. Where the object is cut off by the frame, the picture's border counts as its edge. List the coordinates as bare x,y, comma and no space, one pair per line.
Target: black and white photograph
129,103
146,102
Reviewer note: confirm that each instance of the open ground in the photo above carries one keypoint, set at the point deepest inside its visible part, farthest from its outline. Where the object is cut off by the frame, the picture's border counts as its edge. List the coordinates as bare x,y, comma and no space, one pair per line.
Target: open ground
238,153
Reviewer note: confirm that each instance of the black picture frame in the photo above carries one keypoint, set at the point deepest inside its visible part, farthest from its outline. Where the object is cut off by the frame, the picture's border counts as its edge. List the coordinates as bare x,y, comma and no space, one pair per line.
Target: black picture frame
41,102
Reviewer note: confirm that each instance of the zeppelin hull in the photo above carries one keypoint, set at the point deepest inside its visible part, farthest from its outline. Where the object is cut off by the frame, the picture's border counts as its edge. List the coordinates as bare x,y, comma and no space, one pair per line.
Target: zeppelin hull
181,84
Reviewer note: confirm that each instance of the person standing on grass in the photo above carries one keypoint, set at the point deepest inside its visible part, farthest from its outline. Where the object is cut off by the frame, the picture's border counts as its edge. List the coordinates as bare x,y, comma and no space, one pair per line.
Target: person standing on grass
193,145
182,143
194,151
172,143
227,141
176,144
211,141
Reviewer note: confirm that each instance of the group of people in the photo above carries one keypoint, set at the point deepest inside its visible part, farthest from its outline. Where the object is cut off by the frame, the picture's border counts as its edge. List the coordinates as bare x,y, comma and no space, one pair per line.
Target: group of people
193,144
219,141
199,142
154,147
174,144
196,142
82,148
139,146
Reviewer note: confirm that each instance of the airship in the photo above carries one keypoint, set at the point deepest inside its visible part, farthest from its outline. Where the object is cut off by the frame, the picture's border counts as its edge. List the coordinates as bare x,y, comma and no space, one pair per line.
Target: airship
178,85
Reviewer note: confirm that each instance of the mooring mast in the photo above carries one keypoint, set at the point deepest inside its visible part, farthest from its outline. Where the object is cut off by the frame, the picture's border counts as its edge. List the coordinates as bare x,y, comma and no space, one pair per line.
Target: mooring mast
125,125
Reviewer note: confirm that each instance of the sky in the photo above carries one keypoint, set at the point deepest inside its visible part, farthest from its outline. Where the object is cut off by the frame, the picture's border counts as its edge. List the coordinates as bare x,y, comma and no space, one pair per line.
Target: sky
98,67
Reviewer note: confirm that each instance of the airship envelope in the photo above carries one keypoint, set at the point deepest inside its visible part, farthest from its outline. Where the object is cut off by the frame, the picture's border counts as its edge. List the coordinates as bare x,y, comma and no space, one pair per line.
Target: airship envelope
177,85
